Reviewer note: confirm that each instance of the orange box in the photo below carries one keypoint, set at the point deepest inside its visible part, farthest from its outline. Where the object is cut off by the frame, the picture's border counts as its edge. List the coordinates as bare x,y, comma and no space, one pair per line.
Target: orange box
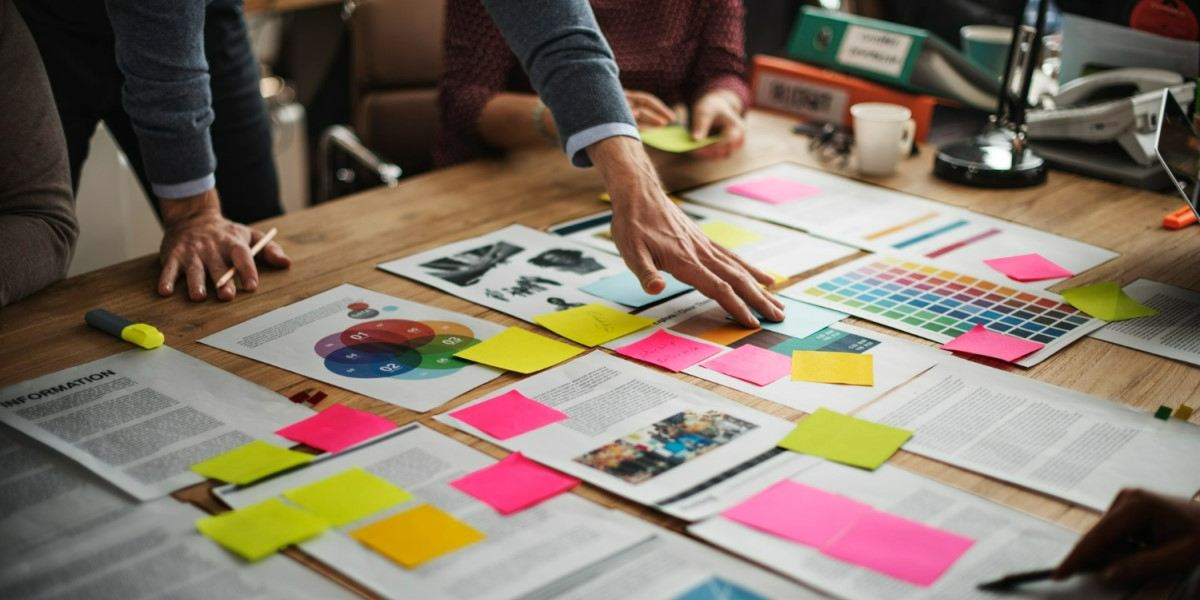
817,94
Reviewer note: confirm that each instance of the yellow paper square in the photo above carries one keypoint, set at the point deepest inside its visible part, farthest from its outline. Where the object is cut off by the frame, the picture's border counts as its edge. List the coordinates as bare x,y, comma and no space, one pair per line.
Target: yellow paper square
1107,301
250,462
592,324
348,496
845,439
729,235
833,367
260,530
417,536
515,349
675,138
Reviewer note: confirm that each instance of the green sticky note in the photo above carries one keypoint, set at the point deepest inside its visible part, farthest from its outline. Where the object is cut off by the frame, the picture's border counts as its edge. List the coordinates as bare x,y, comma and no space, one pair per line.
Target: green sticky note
845,439
1107,301
348,496
250,462
260,530
675,138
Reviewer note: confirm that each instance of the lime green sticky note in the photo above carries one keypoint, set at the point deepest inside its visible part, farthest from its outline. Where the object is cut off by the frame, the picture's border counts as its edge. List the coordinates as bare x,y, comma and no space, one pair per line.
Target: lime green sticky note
592,324
250,462
845,439
675,138
515,349
1107,301
729,235
348,496
259,530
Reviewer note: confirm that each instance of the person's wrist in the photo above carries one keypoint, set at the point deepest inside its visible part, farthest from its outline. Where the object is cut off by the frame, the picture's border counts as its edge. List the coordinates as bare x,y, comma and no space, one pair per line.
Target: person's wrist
628,173
176,210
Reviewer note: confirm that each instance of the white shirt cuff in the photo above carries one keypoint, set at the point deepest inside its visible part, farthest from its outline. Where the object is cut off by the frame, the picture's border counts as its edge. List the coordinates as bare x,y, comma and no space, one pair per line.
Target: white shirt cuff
577,144
172,191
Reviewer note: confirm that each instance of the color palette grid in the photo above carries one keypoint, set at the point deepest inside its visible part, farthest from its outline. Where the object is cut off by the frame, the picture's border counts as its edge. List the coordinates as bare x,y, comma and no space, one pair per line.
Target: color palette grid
940,305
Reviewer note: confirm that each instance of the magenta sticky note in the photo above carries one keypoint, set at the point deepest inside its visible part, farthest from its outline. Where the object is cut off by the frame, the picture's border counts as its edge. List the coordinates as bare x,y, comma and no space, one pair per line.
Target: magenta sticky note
1028,267
799,513
753,364
514,484
668,351
895,546
508,415
982,342
774,190
337,428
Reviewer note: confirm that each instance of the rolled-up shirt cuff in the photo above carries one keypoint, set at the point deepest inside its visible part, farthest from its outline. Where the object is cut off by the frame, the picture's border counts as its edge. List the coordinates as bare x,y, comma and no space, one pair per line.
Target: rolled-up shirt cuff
577,144
172,191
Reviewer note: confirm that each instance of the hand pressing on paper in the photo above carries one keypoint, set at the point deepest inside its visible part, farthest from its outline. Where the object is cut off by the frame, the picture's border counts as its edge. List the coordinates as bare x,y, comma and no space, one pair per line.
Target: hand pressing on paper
653,234
1143,535
718,112
648,110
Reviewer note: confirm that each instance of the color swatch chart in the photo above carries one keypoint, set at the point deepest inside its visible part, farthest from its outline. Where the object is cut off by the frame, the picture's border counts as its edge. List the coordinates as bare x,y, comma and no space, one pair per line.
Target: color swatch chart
940,305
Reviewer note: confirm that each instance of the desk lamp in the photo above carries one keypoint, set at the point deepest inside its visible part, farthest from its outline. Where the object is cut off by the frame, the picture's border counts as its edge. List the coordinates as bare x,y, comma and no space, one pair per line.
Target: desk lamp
1000,157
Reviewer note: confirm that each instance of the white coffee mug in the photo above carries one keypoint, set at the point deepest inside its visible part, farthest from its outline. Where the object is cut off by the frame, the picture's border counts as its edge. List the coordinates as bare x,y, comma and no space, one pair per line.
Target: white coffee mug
882,134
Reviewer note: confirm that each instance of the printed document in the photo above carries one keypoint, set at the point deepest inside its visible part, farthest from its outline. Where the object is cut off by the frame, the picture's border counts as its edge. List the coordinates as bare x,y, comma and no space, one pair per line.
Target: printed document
1174,332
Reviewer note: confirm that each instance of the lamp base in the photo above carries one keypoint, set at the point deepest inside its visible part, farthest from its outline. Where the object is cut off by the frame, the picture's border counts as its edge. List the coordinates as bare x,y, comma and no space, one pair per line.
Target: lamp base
990,160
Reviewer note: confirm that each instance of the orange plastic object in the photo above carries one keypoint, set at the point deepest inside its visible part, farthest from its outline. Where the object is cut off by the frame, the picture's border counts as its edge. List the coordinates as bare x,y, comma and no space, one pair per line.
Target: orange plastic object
1180,218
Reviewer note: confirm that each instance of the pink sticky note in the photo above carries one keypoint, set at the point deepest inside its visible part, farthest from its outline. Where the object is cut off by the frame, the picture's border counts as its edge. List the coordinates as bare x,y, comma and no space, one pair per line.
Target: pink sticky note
337,428
774,190
508,415
669,351
753,364
797,512
895,546
514,484
982,342
1028,267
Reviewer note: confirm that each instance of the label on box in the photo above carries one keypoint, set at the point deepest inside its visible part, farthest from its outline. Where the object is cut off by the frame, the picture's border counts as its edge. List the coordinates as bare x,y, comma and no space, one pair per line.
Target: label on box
874,50
809,99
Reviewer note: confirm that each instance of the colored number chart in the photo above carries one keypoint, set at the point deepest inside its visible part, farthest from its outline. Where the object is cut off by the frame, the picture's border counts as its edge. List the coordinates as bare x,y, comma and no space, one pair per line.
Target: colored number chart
940,305
396,348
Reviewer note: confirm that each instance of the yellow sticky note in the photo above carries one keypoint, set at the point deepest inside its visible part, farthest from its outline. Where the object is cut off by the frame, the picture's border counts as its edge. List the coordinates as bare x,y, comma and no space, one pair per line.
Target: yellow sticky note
675,138
592,324
250,462
348,496
845,439
515,349
1107,301
729,235
259,530
417,536
833,367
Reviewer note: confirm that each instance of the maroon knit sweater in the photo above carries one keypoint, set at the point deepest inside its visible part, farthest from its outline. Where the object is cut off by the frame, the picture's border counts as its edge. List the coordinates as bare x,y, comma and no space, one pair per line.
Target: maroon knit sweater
677,50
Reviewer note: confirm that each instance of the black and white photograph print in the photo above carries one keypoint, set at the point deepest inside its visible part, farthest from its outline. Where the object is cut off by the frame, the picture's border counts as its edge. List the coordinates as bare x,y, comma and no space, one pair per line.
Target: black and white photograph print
567,259
467,268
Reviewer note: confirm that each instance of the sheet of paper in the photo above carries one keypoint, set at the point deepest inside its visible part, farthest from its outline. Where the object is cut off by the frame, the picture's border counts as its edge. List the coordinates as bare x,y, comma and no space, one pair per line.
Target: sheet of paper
1106,300
514,484
516,349
1006,540
675,138
1077,447
981,342
141,418
799,513
833,367
774,249
257,531
508,415
625,289
887,221
336,428
845,439
592,324
250,462
154,551
348,496
774,190
899,547
671,352
895,360
751,363
377,345
1028,267
647,436
1174,332
802,319
418,535
533,549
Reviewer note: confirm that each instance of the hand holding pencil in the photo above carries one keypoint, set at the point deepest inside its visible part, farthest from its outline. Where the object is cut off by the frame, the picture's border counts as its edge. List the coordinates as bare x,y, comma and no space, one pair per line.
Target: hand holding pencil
254,250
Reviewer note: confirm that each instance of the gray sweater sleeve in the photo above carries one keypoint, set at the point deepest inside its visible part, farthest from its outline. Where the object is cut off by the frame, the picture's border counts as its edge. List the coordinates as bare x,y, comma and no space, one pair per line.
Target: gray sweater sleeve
160,51
37,212
570,66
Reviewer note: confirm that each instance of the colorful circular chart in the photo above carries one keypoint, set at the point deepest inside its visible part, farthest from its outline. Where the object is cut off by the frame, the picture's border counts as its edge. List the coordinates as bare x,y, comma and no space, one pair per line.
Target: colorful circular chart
398,348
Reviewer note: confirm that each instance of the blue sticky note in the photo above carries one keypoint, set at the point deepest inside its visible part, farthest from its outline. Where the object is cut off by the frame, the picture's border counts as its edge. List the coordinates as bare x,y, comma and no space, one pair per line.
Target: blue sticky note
802,319
625,289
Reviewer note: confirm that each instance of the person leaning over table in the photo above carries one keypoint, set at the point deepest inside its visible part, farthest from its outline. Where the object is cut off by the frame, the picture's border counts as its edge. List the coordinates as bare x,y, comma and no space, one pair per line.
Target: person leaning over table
572,69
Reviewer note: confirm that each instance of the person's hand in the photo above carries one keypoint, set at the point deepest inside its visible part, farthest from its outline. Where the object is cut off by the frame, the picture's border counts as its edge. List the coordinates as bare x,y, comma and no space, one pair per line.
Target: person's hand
197,239
648,110
718,112
1168,529
653,234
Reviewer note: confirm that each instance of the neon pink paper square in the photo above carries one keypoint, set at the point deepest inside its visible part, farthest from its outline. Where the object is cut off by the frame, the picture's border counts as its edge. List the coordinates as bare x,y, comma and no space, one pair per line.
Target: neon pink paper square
514,484
508,415
798,513
668,351
895,546
337,428
1028,267
753,364
774,190
982,342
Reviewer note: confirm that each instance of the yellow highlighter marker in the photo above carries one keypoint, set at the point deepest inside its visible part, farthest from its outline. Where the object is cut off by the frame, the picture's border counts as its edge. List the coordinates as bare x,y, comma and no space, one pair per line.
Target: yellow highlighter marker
140,334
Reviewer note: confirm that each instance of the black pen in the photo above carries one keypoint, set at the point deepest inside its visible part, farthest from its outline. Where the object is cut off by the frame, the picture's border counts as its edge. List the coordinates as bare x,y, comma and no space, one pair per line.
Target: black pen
1010,582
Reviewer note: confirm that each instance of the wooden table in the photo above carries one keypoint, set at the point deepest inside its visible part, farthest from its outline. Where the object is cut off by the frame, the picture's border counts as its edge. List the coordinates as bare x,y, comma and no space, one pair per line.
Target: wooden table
341,242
